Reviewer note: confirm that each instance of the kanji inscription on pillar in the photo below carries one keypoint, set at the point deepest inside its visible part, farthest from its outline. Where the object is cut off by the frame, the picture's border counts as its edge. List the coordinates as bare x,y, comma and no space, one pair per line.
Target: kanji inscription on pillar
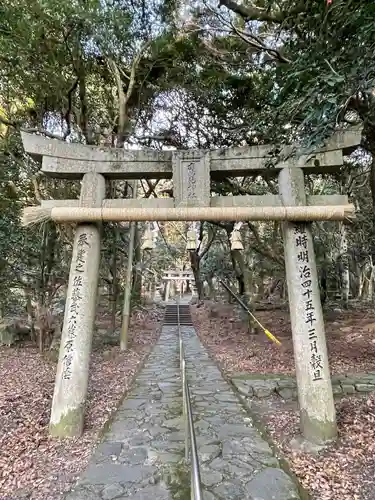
191,179
303,259
74,306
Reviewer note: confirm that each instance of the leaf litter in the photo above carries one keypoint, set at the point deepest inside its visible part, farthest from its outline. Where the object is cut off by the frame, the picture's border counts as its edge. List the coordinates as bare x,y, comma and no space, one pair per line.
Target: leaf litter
34,465
344,470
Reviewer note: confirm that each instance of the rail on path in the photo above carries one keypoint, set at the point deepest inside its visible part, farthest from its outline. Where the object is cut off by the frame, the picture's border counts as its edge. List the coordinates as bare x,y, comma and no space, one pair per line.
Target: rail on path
180,315
181,407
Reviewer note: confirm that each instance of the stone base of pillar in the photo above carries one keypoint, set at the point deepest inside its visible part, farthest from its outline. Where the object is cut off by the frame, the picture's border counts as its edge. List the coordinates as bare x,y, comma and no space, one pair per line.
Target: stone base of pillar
70,423
301,444
318,430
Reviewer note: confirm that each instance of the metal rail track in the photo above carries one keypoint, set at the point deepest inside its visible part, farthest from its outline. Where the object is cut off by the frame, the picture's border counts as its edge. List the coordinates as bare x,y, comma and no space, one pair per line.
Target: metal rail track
179,315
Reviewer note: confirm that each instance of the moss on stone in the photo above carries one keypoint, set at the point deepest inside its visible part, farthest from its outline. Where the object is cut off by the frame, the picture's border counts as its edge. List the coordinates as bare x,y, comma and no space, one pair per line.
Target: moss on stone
177,479
70,424
317,431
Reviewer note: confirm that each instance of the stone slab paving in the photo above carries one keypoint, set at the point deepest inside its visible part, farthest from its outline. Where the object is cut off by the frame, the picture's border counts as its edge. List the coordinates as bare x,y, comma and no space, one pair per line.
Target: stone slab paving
139,456
142,455
236,462
252,386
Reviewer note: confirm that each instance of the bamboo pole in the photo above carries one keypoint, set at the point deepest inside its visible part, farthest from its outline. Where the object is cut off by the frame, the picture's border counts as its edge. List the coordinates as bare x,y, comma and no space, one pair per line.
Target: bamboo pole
128,282
35,215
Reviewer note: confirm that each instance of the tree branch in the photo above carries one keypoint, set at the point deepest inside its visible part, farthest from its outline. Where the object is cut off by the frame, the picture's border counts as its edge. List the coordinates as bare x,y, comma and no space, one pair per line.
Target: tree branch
37,194
84,108
69,110
252,13
39,130
151,188
263,251
122,119
258,44
237,189
124,97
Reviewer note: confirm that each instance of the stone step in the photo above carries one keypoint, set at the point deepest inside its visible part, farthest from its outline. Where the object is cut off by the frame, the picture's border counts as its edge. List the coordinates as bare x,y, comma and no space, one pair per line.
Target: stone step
177,314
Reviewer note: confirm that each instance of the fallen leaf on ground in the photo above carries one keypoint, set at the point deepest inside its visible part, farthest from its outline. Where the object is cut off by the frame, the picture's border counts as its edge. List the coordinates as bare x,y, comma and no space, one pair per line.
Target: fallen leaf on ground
33,465
345,470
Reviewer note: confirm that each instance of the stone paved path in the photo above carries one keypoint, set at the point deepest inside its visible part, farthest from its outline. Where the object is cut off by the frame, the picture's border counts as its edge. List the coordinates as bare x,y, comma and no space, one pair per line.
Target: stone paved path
141,457
236,462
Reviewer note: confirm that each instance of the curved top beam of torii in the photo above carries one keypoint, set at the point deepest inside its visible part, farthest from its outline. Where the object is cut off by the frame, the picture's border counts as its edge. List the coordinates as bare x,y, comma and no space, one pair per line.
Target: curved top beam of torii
72,160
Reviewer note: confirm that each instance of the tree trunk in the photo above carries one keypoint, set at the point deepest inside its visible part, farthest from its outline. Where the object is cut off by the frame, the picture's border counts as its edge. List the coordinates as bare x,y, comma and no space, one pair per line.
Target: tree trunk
30,313
355,280
211,287
195,266
243,272
323,286
372,236
370,284
345,277
362,280
114,287
260,286
137,276
246,278
239,274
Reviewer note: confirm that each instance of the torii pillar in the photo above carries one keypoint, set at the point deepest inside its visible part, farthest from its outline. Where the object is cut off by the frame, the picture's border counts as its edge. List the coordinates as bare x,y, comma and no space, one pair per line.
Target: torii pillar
317,408
69,398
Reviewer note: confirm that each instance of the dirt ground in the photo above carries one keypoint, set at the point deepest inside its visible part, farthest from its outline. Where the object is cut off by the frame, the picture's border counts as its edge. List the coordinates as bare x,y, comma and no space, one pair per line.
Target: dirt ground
32,465
350,337
345,470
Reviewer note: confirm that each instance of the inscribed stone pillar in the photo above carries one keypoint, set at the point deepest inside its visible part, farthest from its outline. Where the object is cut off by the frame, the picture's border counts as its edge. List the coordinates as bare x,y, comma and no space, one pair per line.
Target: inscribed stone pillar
317,410
68,404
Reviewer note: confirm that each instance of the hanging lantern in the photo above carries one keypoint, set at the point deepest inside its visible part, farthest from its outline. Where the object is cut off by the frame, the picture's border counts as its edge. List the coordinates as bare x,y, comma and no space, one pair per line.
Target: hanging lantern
235,240
148,239
191,243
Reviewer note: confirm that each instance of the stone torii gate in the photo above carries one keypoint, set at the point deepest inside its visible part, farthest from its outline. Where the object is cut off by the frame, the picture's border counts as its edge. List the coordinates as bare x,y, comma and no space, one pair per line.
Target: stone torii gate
173,275
191,172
